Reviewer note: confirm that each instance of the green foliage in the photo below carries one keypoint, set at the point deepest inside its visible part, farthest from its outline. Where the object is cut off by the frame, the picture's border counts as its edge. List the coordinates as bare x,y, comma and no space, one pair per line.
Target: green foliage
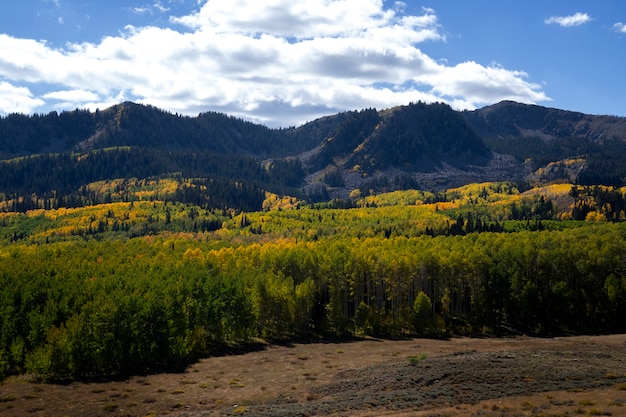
423,313
207,179
419,135
414,360
141,286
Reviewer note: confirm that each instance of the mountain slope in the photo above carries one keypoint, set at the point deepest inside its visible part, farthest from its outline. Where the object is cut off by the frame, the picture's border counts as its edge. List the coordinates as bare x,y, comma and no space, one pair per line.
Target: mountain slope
556,140
509,119
429,146
421,137
130,124
51,159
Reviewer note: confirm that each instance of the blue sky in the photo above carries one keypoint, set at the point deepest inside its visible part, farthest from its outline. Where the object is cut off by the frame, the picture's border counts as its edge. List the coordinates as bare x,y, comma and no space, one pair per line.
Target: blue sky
281,62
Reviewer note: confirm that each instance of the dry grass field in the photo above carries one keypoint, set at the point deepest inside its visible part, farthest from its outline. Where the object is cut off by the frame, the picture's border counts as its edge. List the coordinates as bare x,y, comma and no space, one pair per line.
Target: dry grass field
521,376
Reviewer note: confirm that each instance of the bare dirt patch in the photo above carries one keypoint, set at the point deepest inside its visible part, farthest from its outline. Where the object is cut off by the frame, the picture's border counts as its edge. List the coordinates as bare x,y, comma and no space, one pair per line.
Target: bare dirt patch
520,376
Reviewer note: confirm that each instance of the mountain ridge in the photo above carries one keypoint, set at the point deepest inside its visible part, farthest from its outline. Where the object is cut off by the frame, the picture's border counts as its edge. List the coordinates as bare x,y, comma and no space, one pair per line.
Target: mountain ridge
427,146
529,120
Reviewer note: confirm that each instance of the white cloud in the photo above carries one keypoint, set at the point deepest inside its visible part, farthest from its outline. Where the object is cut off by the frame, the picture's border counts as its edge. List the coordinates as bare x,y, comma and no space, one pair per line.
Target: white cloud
281,18
77,96
620,27
142,9
150,8
157,5
477,85
278,62
17,99
569,21
399,6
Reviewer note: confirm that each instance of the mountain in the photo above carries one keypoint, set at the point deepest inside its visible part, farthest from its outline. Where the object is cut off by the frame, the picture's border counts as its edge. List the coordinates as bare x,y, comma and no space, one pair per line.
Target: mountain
508,119
429,146
130,124
230,163
583,148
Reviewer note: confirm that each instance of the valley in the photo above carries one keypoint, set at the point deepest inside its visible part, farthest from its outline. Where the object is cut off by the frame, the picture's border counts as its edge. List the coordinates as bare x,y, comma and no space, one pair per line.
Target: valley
409,261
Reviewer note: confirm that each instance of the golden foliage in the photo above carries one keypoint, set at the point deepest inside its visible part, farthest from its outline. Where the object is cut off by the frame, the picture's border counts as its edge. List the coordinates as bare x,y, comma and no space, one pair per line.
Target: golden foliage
275,202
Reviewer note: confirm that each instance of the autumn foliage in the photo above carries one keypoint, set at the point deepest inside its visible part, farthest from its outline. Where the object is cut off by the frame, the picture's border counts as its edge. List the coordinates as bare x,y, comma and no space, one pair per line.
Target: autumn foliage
128,287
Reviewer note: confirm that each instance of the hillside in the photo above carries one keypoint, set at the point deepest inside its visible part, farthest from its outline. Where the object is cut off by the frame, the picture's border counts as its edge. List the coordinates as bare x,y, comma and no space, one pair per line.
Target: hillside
141,247
123,288
130,124
556,139
509,119
426,146
49,160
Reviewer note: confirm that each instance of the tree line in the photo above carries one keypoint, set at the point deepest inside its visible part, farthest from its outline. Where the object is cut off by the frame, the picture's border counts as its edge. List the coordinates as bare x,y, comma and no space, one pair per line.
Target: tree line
130,124
62,180
605,162
73,310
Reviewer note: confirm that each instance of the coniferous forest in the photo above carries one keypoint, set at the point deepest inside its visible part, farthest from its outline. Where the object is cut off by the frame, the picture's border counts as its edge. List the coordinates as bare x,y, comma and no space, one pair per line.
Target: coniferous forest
130,259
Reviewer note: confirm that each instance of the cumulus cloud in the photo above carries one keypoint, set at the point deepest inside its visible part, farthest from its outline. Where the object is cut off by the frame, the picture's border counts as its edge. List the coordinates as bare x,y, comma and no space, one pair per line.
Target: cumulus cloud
71,98
71,95
569,21
477,84
277,62
17,99
620,27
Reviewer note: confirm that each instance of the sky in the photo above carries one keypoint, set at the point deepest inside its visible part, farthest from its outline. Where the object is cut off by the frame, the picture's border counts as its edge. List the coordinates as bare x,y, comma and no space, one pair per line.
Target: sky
286,62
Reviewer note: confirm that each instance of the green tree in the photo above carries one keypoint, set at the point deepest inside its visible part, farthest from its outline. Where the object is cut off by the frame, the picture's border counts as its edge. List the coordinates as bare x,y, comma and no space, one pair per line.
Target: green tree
306,296
422,313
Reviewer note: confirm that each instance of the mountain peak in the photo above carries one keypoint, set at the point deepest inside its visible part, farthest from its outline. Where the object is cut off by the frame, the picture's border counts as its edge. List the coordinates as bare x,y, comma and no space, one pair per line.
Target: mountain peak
419,145
508,119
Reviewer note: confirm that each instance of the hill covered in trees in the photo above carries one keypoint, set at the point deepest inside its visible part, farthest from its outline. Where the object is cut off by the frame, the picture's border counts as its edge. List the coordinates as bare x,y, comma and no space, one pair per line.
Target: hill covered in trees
121,288
130,124
556,139
133,240
49,159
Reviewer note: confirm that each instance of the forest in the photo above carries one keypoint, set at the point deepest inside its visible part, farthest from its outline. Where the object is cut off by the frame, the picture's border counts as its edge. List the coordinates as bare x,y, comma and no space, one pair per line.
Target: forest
133,240
63,180
136,277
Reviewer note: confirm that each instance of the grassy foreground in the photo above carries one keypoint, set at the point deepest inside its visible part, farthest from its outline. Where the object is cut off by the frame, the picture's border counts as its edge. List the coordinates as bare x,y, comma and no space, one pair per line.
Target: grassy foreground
583,375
